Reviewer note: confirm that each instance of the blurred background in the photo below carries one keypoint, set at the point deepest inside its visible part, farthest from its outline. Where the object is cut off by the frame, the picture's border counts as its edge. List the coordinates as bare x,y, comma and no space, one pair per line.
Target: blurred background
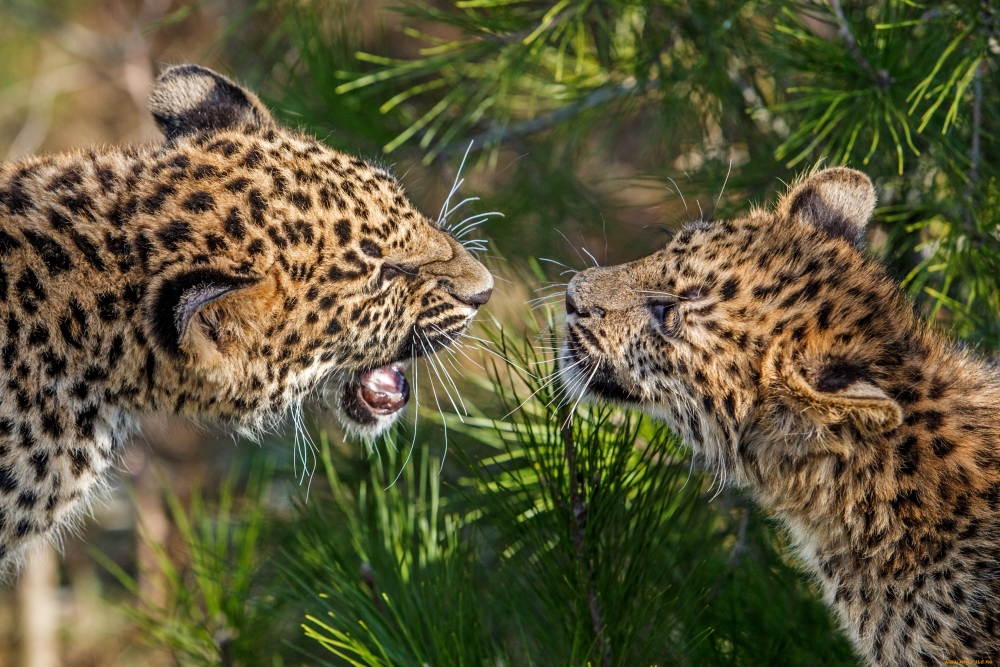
596,129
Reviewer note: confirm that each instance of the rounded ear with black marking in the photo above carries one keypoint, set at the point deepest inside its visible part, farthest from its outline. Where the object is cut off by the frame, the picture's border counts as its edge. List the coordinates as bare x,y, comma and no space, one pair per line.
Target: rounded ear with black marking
177,300
831,391
838,201
187,99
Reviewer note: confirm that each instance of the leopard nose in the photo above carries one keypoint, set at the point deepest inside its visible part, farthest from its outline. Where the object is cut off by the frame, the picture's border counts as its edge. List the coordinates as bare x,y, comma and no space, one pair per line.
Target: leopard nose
477,299
573,308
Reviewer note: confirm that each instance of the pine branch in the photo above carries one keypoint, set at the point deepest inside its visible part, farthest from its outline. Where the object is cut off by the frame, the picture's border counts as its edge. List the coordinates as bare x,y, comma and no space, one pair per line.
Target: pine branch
368,578
880,78
988,17
578,526
975,150
599,96
522,34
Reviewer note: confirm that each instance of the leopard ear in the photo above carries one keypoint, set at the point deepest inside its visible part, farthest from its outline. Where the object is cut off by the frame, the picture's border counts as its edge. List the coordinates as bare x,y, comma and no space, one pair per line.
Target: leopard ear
178,299
835,392
187,99
838,201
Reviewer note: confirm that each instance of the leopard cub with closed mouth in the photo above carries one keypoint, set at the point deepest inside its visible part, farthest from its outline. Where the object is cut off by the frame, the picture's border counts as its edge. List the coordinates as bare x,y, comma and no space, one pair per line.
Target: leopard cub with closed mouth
796,367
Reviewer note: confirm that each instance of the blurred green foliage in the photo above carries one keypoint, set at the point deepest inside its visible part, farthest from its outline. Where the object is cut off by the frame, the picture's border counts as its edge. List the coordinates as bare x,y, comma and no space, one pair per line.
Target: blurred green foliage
209,605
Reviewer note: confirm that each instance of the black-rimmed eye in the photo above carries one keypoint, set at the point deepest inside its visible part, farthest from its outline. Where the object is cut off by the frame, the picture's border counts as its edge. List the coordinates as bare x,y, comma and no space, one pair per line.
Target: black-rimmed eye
388,272
666,316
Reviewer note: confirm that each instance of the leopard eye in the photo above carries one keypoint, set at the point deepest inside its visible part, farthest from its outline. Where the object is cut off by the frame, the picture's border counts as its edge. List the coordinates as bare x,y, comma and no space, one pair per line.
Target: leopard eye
666,317
388,272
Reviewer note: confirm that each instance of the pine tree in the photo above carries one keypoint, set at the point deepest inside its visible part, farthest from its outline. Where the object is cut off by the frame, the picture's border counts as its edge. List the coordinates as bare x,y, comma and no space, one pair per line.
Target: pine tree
570,534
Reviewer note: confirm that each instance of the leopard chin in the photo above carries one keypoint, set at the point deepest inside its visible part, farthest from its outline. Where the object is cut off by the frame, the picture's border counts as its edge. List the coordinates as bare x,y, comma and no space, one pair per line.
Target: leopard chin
593,376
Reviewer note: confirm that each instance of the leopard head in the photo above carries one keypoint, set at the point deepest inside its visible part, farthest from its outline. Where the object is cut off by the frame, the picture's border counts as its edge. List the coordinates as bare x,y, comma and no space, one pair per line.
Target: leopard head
278,266
766,336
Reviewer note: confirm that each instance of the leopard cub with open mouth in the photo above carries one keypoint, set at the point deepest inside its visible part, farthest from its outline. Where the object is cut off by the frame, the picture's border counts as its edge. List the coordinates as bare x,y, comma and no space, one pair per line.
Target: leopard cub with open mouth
225,273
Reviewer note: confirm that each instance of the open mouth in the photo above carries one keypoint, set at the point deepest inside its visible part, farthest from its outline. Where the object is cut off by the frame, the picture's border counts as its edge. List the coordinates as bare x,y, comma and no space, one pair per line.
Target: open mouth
371,400
384,390
379,392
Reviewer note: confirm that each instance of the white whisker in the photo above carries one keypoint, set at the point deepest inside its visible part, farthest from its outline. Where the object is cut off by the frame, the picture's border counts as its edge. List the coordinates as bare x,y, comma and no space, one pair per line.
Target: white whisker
583,391
723,188
566,390
552,261
549,361
473,221
431,358
483,343
303,445
572,246
553,298
596,263
461,349
548,297
552,378
442,217
550,285
416,406
683,201
452,362
447,375
444,422
538,306
670,294
459,204
481,340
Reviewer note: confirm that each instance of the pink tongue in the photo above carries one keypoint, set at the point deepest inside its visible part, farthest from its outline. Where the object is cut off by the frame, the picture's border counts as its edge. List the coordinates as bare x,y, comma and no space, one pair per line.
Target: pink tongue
385,389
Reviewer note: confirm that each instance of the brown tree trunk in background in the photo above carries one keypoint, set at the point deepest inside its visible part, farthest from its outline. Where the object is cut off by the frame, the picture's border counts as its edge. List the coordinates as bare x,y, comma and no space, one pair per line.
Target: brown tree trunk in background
38,610
170,443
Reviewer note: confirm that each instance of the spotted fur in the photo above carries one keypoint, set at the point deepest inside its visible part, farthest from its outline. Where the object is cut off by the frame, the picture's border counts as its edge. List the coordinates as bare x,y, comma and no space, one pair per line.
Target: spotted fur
224,274
796,368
